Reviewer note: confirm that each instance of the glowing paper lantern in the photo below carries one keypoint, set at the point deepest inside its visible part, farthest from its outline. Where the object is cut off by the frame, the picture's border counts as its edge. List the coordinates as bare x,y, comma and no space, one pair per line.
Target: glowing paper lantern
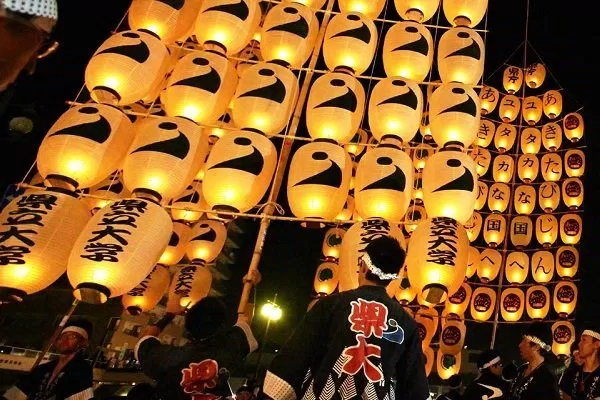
549,196
424,128
546,229
458,303
563,337
512,79
486,133
408,51
505,137
565,298
454,114
332,243
417,193
531,140
494,229
420,155
551,164
473,262
517,267
528,167
169,20
542,266
482,158
177,244
473,226
538,302
512,304
367,7
126,67
552,103
503,168
416,10
356,147
572,193
429,355
207,240
404,293
146,295
190,284
509,108
463,12
414,216
461,55
570,228
552,136
84,146
452,336
488,97
535,75
188,205
574,163
117,249
573,126
489,265
427,320
567,261
521,231
499,197
348,211
483,303
532,109
326,278
482,195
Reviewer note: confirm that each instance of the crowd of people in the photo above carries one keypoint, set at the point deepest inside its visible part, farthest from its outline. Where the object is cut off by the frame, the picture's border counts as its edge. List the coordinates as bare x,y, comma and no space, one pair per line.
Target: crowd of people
358,344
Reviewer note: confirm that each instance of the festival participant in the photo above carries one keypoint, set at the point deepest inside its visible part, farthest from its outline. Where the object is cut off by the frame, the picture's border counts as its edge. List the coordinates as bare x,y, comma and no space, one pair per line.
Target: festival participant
456,385
584,383
489,384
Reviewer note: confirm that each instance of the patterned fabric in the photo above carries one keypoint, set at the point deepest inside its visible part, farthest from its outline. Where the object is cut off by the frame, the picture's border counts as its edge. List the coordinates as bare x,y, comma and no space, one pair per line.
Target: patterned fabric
488,386
39,8
580,385
540,384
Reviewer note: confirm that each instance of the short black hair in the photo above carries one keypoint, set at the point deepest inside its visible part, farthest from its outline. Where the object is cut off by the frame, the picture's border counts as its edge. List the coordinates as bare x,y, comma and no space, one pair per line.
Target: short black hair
142,391
387,255
206,318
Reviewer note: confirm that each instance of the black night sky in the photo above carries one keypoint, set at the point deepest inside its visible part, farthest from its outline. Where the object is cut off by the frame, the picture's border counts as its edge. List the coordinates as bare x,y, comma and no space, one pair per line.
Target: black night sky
562,33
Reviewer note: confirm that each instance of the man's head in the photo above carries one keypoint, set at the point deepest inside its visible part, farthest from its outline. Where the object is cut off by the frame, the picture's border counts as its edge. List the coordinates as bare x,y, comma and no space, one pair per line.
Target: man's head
74,337
205,318
490,361
589,343
535,341
381,262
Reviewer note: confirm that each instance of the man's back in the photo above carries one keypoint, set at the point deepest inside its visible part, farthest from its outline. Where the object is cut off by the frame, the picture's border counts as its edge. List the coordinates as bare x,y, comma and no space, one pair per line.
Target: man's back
487,386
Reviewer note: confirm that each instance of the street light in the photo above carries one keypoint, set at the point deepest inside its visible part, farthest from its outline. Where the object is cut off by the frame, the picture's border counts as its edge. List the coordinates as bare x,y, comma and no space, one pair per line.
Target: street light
272,312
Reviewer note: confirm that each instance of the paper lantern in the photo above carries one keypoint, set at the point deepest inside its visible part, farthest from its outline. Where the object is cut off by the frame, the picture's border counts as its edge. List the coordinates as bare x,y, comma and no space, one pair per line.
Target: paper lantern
489,265
499,197
450,185
335,107
482,158
314,4
347,211
494,229
521,231
84,146
551,164
505,137
563,337
473,262
350,42
326,278
531,140
367,7
532,109
188,205
425,128
111,188
463,12
117,249
169,20
452,336
516,267
408,51
542,266
416,10
207,240
570,228
572,193
538,302
565,298
427,320
227,26
482,195
528,167
574,163
265,97
404,292
473,226
546,229
395,108
483,303
454,115
356,147
354,242
383,183
512,304
164,156
126,67
288,33
567,261
429,357
458,303
249,56
549,196
200,87
416,213
332,243
437,259
190,284
319,180
39,229
486,133
461,55
573,126
417,193
509,108
420,155
146,295
177,244
535,75
551,136
238,171
503,168
512,79
488,98
552,103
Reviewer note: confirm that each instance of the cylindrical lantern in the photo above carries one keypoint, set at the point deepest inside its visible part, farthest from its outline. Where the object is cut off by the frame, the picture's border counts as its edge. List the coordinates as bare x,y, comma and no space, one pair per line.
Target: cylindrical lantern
509,108
488,97
567,261
332,243
531,140
405,292
111,188
572,193
516,267
169,20
84,146
503,168
450,185
552,103
228,26
473,226
549,196
512,80
356,147
420,155
489,265
512,304
461,56
573,126
350,42
551,164
265,97
458,303
319,179
395,108
575,163
570,228
538,302
117,249
437,259
38,231
464,13
535,75
424,128
542,266
532,109
448,365
164,157
482,158
206,241
288,33
146,295
416,213
552,136
505,137
429,356
190,284
482,195
417,10
326,278
427,320
188,205
499,197
563,337
347,211
239,170
487,128
408,51
370,8
494,229
528,167
473,263
250,55
483,303
335,107
546,229
177,244
521,231
565,298
452,336
126,67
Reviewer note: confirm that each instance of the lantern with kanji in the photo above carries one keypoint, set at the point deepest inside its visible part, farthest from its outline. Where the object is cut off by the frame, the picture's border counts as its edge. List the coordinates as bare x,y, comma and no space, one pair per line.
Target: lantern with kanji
332,242
516,267
238,171
111,188
532,109
538,302
503,168
461,55
551,164
572,193
531,140
169,20
494,229
190,284
408,51
573,126
126,67
489,265
570,228
416,213
509,108
542,266
512,304
473,262
420,155
521,231
458,303
417,10
485,135
498,197
177,244
552,136
552,103
549,196
546,229
567,261
574,163
452,336
535,75
206,241
482,158
188,205
488,98
454,114
117,249
326,278
505,137
146,295
473,226
427,320
464,13
563,337
528,167
483,302
512,79
565,298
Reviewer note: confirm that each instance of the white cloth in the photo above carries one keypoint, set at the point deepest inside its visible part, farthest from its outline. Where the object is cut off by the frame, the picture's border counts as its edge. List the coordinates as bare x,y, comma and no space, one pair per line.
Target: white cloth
38,8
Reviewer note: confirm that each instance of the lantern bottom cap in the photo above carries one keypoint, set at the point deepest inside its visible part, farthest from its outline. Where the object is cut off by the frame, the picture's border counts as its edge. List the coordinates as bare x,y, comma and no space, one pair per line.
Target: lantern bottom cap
92,293
312,224
11,295
225,208
434,293
105,95
134,310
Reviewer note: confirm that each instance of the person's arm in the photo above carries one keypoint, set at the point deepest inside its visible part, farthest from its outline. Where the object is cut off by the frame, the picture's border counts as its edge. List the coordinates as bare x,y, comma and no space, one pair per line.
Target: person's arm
565,383
149,351
80,382
240,340
25,385
410,372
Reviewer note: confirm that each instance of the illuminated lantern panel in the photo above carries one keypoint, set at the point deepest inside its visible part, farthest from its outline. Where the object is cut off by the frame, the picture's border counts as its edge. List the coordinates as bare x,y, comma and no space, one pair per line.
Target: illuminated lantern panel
567,261
503,168
408,51
542,266
563,337
552,136
574,163
414,216
509,108
505,137
488,97
565,298
517,267
420,155
489,265
464,13
429,355
512,303
483,302
425,128
111,188
528,167
417,10
531,140
521,231
370,8
170,21
473,263
427,320
512,79
546,229
549,196
553,103
538,302
551,165
573,126
452,336
326,278
482,195
177,244
458,303
404,293
572,193
190,284
347,211
532,109
570,228
498,197
206,241
188,205
494,229
332,243
357,146
146,295
485,135
461,56
535,75
473,226
482,158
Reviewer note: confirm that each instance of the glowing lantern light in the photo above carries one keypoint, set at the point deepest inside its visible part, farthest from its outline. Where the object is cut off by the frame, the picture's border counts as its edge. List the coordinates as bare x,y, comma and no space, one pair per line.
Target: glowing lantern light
464,13
567,261
542,266
552,103
191,283
356,147
418,188
452,336
111,188
408,51
461,55
488,98
454,115
489,265
416,10
146,295
483,302
536,73
188,205
348,211
538,302
573,126
473,226
503,168
509,108
552,136
473,262
482,158
314,4
370,8
458,303
517,267
420,155
512,304
551,167
574,163
485,133
84,146
429,356
169,20
521,231
332,243
528,167
404,292
546,229
326,278
414,216
565,298
238,171
563,337
250,55
532,109
512,79
572,193
570,228
499,197
494,229
447,365
505,137
531,140
126,67
177,244
482,195
427,320
110,258
549,196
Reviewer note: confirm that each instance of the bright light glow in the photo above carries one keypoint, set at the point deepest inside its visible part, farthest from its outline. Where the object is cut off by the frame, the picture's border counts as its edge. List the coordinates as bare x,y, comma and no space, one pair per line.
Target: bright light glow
352,149
283,54
358,6
434,276
328,132
156,28
333,252
217,132
75,166
111,82
257,36
229,194
260,121
185,302
201,253
191,111
154,182
166,257
314,204
20,271
220,37
348,60
405,73
99,276
392,125
381,207
271,311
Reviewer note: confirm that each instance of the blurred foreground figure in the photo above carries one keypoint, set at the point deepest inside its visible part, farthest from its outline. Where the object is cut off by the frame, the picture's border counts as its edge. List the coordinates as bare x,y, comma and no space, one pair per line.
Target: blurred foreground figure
582,380
456,386
489,384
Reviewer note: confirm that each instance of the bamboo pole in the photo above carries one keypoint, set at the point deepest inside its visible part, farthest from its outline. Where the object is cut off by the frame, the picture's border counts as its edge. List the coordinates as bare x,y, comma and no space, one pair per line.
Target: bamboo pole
286,147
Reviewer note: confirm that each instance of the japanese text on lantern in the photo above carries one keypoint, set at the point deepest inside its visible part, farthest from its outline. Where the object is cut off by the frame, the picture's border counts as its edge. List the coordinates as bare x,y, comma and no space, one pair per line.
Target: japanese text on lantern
183,287
442,244
373,229
140,289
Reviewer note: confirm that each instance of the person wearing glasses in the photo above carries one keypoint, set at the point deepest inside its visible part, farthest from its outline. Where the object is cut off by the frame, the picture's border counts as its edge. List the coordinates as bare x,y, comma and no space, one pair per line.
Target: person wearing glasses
489,384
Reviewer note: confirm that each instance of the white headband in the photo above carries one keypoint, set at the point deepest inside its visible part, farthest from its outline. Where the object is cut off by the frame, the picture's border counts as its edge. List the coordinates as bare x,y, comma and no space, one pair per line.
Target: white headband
589,332
490,363
538,341
76,329
376,271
